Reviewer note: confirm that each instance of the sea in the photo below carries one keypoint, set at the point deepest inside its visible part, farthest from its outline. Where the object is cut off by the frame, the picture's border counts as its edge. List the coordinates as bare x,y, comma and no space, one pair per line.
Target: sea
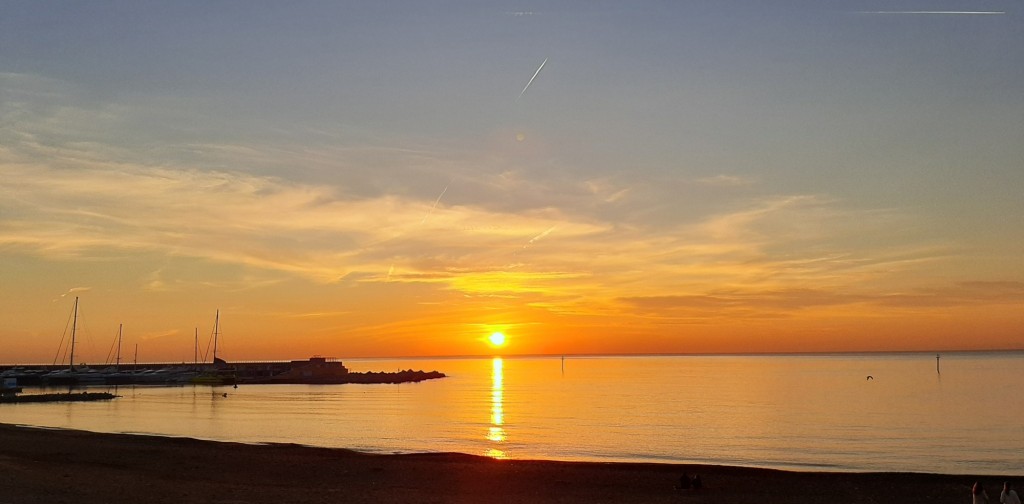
908,412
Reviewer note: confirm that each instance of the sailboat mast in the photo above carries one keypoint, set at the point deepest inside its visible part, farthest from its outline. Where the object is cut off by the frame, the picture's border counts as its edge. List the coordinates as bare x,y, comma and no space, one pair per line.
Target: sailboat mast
117,365
74,326
216,331
195,358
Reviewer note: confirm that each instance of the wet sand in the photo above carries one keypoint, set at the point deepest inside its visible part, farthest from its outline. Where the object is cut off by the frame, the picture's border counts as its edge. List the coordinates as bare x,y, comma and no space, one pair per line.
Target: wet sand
54,466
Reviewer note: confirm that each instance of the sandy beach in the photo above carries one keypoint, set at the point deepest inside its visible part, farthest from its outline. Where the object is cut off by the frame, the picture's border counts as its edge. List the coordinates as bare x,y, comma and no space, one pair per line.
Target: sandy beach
53,466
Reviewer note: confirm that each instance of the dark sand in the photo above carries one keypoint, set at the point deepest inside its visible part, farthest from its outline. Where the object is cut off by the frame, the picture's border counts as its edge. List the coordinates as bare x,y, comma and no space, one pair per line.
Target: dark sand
54,466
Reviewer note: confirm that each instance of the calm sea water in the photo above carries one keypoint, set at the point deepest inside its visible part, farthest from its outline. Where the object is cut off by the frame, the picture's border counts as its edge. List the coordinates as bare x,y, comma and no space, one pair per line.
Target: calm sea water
789,412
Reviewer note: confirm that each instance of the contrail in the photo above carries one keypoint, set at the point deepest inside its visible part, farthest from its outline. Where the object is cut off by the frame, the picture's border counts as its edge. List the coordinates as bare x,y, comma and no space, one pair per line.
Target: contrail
531,78
438,200
961,13
542,235
537,238
426,216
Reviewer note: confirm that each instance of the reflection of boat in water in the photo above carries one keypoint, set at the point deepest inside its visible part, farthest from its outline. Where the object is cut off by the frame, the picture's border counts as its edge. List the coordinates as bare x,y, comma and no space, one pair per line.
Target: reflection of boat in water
220,373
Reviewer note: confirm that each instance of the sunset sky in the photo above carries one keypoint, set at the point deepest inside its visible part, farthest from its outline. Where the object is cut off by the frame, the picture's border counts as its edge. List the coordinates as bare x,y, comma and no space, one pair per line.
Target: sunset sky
359,179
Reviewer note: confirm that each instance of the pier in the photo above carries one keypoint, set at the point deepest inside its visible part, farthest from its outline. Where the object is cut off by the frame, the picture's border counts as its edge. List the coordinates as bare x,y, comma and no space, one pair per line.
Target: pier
315,370
57,397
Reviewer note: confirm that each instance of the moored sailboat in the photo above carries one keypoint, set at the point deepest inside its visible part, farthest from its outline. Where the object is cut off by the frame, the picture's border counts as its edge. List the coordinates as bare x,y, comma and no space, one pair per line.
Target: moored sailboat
115,376
72,375
219,373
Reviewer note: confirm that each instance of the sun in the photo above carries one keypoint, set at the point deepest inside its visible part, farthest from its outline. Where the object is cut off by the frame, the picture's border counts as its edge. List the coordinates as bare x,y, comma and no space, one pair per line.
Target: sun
497,339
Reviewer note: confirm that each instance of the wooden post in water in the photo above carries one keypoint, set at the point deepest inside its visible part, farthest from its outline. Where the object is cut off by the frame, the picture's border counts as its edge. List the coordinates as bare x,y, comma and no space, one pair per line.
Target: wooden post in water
937,364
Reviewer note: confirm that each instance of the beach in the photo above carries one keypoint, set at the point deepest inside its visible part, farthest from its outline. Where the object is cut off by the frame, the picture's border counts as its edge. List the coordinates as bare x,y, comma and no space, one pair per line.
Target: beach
53,466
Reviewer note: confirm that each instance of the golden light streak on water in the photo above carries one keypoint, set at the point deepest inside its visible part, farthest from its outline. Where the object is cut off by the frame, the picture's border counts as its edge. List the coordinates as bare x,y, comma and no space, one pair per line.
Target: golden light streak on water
496,433
497,392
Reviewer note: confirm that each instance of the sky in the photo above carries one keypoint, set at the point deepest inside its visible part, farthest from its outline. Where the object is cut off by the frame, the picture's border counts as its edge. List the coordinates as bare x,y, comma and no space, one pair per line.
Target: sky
374,179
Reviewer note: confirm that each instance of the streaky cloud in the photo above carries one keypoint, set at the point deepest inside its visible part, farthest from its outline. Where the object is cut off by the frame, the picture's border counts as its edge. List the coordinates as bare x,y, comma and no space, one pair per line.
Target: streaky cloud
725,181
787,300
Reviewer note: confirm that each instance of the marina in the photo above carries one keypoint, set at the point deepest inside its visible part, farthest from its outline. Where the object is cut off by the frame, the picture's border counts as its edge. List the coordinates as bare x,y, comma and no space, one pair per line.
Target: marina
315,370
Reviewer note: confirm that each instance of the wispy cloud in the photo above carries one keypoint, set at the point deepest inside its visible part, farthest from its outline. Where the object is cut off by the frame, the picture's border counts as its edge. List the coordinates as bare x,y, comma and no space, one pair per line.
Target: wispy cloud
957,295
361,215
606,190
230,217
719,304
317,315
725,181
73,290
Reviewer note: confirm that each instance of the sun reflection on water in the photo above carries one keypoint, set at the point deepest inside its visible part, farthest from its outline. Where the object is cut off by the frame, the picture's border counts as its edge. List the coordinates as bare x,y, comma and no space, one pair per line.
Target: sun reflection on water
497,392
496,433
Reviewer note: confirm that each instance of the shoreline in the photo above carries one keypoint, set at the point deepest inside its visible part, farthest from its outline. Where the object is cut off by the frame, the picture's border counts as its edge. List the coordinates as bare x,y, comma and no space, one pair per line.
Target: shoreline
58,465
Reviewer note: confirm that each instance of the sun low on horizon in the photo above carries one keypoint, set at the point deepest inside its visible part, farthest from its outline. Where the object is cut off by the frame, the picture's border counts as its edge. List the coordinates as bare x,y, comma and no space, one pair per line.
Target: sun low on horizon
497,339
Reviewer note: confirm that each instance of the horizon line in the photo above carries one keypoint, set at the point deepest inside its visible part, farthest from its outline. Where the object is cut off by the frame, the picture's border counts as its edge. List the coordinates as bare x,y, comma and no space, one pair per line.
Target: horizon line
576,355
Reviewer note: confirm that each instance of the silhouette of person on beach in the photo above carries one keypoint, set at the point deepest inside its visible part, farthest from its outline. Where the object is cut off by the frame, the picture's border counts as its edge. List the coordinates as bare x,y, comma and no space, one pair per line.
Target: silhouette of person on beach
684,482
1009,495
978,494
697,483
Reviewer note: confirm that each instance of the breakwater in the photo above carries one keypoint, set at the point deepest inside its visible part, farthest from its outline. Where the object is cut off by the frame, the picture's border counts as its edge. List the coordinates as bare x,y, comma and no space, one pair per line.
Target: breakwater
59,397
405,376
315,370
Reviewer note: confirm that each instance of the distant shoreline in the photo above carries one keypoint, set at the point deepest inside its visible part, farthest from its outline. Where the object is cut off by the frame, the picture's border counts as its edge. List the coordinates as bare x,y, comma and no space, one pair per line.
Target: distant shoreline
5,365
53,465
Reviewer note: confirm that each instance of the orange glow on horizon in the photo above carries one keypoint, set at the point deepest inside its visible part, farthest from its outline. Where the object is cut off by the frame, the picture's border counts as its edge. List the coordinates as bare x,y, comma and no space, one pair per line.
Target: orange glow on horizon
293,330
